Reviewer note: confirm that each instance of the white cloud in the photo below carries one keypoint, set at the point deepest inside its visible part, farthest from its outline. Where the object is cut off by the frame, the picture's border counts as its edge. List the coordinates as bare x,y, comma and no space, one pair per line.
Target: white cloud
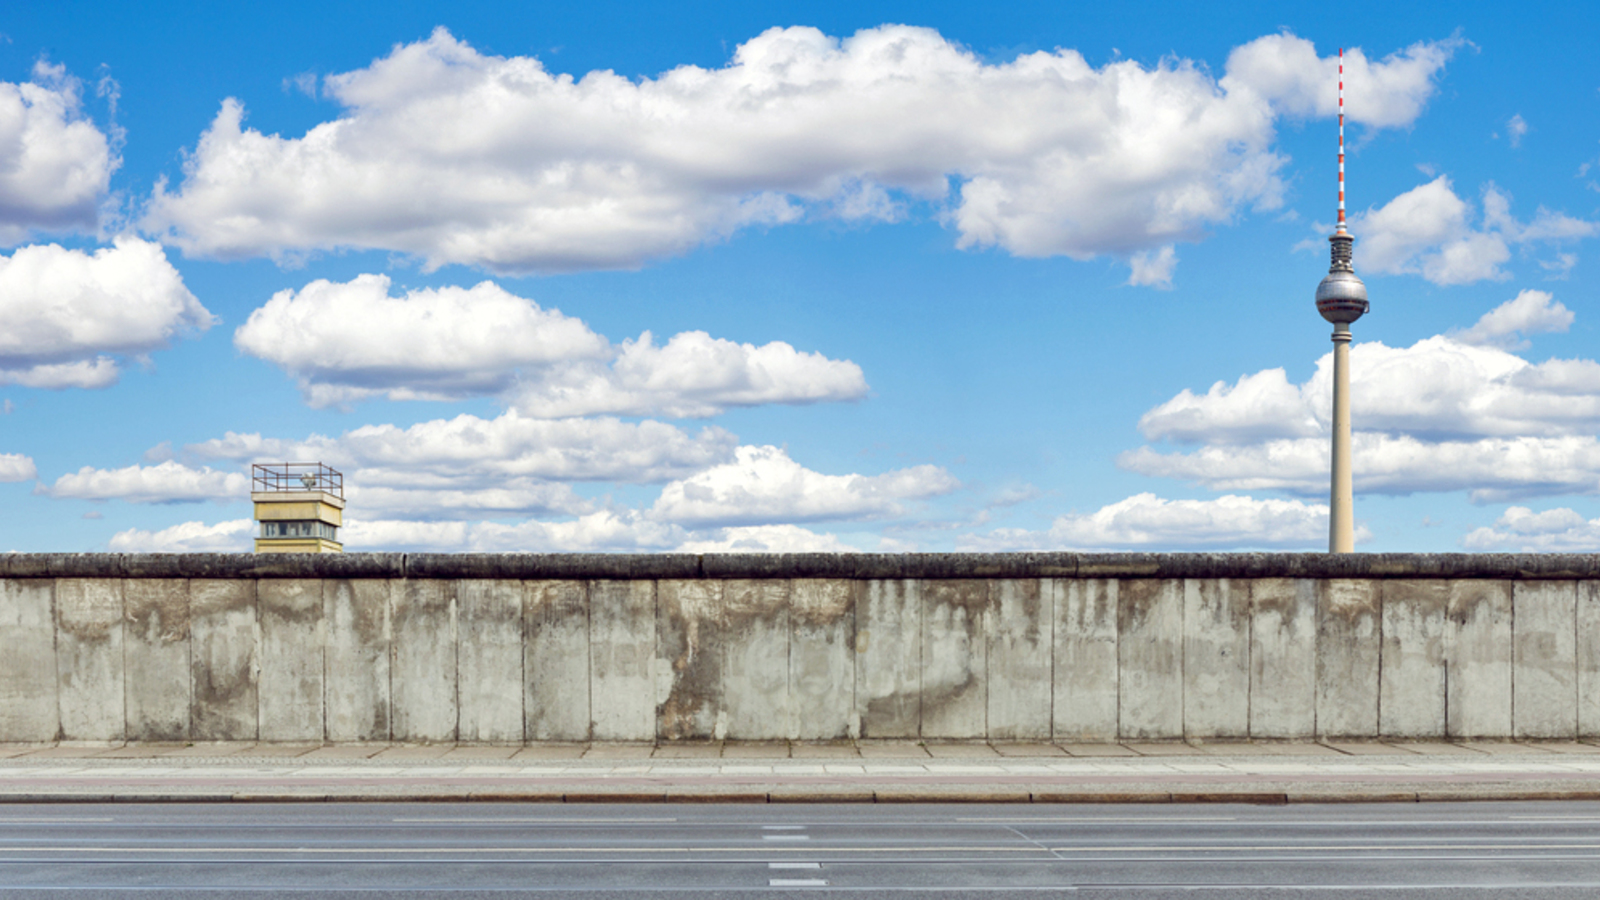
1145,521
189,537
1507,325
55,165
1153,268
1491,470
350,340
458,157
692,375
765,539
16,467
1390,93
1516,127
1451,412
1428,231
169,482
1555,530
1464,384
508,446
347,341
763,486
65,310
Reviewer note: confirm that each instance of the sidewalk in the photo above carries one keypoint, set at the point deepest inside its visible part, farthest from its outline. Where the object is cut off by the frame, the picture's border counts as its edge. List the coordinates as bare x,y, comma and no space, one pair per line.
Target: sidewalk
866,771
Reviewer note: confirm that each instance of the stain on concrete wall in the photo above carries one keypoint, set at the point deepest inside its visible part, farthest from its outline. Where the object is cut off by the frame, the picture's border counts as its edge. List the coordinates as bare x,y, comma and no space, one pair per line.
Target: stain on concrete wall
1150,658
1349,623
222,660
155,658
622,645
555,661
423,668
1283,658
1545,674
89,659
1478,659
1216,658
1087,680
289,685
489,660
1021,643
822,659
889,659
357,614
1412,680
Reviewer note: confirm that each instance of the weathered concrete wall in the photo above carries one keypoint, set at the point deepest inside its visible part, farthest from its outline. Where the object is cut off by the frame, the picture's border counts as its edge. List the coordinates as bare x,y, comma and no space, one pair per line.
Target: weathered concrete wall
1065,647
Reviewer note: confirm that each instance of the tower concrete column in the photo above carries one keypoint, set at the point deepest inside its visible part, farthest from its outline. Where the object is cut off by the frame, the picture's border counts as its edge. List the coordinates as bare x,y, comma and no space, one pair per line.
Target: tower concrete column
1341,495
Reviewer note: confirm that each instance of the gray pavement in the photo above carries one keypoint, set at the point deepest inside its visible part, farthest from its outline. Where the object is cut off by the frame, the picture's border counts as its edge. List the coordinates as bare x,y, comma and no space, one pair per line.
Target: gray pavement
865,771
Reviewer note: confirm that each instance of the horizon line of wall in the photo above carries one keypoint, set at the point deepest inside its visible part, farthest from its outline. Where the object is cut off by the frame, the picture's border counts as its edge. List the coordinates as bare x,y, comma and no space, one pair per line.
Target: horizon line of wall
1048,646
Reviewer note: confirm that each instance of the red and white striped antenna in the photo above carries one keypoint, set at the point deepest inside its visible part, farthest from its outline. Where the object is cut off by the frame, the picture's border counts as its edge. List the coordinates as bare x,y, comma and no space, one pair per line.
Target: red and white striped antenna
1341,140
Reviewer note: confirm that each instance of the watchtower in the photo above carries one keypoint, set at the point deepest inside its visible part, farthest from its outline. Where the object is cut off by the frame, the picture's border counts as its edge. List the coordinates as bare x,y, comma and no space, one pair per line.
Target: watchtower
300,507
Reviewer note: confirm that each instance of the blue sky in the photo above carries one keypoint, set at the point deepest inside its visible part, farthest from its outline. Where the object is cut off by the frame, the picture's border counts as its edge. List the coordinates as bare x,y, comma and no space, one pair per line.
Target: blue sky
875,276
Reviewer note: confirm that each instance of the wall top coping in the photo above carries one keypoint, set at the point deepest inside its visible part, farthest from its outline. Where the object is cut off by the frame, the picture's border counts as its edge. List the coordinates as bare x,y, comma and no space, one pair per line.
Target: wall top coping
801,565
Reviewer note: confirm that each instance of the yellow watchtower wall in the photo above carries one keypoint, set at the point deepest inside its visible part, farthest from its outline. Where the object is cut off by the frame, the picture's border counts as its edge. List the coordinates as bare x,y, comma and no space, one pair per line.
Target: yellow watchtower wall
298,506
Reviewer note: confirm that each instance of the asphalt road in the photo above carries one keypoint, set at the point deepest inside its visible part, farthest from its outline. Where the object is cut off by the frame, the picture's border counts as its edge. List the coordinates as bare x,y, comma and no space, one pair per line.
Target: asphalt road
459,851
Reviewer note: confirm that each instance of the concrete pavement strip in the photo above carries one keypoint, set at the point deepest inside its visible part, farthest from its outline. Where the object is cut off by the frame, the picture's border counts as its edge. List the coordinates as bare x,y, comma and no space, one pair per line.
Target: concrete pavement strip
795,772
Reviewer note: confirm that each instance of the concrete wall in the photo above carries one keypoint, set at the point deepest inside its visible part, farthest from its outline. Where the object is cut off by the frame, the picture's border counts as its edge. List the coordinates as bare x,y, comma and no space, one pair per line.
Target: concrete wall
1026,647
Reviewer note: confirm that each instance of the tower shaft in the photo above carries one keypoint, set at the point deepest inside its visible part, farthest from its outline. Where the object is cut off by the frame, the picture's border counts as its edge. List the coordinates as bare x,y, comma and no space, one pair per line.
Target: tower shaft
1341,494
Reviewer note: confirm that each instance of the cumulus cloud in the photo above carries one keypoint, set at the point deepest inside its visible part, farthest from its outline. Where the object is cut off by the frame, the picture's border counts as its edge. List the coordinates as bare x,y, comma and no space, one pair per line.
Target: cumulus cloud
189,537
762,485
1430,231
16,467
55,164
66,311
1507,325
1490,470
1390,93
1145,521
1464,384
508,446
169,482
460,157
1451,412
350,340
1559,530
344,342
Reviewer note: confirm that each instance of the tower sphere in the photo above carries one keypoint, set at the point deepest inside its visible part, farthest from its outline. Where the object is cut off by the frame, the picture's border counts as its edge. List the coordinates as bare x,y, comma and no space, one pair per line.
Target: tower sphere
1342,297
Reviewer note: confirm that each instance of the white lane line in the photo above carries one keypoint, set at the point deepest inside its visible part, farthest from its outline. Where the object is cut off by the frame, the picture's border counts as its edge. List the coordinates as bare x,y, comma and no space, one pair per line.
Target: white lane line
786,837
794,865
796,882
490,821
1150,819
19,820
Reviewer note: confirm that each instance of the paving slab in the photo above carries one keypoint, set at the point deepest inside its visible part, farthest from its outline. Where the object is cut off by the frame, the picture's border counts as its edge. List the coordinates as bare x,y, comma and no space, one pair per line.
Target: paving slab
414,751
1368,748
891,750
1164,748
963,750
1093,750
831,750
1029,751
482,751
551,751
348,751
619,751
1270,748
1437,748
688,750
755,750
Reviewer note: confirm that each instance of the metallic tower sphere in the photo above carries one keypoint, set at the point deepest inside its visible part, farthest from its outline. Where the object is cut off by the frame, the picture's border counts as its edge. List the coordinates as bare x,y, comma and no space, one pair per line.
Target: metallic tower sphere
1341,297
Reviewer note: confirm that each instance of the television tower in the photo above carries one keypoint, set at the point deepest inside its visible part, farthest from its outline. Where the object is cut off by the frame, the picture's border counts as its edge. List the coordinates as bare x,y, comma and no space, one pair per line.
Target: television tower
1341,299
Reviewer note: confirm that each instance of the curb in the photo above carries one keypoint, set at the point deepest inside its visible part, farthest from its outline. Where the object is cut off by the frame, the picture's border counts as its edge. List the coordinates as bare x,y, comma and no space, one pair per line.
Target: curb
896,796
